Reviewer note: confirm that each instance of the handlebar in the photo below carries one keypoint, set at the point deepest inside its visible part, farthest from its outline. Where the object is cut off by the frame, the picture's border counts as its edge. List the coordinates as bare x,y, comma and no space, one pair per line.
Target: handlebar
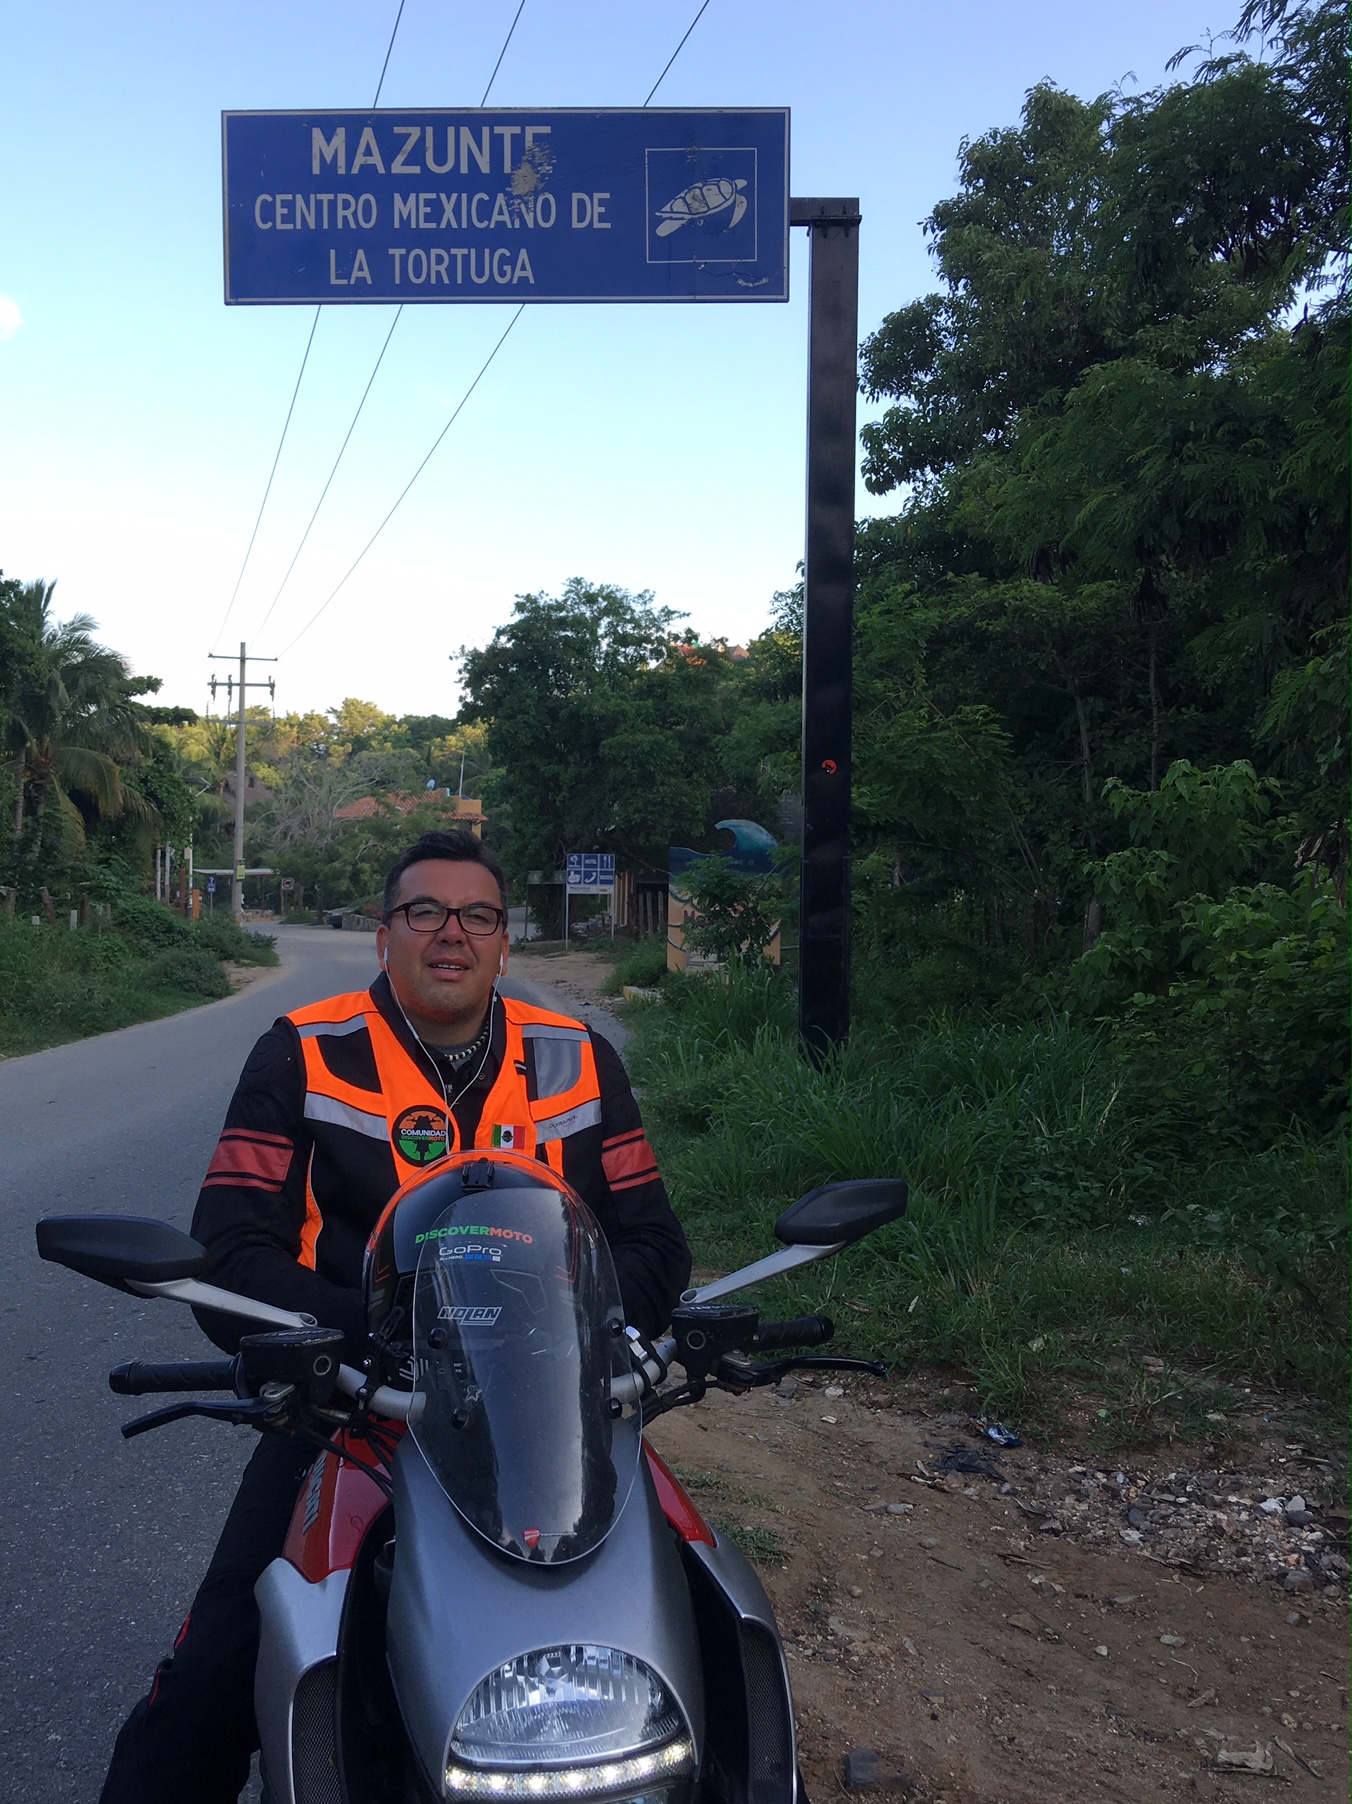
140,1377
803,1331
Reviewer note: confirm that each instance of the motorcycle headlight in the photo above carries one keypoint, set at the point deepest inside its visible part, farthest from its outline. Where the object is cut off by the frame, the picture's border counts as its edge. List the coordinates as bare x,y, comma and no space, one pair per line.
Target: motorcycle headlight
557,1708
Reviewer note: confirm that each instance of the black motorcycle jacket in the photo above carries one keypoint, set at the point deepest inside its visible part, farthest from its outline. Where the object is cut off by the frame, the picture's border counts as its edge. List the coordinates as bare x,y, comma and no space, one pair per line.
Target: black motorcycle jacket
292,1192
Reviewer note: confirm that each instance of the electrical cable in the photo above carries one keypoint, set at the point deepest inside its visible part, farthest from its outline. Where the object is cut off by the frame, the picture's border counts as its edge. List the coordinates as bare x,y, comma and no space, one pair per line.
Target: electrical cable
271,473
677,51
286,425
483,368
511,30
388,48
497,65
332,473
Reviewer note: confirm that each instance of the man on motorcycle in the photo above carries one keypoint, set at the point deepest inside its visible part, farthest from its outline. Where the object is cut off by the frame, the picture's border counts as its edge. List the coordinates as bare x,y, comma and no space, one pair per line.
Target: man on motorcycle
338,1104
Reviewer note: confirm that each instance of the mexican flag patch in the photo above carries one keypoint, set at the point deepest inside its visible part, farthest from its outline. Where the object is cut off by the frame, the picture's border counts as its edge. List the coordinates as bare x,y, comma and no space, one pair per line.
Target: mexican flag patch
506,1136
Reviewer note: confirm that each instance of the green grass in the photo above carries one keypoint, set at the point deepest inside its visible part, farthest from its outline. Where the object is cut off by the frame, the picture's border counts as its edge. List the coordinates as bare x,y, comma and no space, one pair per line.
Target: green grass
643,963
57,986
718,1497
1060,1229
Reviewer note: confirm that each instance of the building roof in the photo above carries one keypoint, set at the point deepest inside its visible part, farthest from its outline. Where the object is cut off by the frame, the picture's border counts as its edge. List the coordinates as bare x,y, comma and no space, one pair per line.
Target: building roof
462,808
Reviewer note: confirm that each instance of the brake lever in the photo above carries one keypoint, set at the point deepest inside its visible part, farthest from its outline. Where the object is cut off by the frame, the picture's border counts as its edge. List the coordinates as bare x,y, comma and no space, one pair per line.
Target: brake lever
741,1375
253,1412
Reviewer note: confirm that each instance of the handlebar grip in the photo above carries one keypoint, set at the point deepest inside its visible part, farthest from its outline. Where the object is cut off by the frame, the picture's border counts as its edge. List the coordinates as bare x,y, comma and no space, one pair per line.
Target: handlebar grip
141,1376
803,1331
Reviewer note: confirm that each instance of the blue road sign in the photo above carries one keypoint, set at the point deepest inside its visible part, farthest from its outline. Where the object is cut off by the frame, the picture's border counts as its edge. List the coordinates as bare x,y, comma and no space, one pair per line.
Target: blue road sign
591,873
472,205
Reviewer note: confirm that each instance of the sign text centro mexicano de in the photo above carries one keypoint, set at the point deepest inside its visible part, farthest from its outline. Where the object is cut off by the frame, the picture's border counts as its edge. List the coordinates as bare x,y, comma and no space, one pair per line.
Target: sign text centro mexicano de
548,205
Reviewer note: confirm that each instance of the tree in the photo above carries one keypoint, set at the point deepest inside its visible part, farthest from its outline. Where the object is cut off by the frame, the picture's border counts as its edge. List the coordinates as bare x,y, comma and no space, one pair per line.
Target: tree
1121,428
72,718
601,724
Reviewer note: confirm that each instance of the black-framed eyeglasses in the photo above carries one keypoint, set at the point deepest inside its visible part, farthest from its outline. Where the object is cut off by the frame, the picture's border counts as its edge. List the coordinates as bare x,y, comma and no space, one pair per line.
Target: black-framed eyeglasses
477,918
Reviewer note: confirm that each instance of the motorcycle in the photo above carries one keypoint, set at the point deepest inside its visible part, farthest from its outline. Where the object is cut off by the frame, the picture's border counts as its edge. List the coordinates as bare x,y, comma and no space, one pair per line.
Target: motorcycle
492,1587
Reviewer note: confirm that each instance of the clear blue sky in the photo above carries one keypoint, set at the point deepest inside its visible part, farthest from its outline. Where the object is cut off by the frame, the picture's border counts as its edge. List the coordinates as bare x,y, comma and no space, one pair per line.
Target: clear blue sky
656,447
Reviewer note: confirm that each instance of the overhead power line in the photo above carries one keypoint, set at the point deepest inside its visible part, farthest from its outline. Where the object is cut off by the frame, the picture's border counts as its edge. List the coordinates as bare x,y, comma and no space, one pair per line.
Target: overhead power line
505,42
677,51
511,30
388,48
332,473
483,368
286,424
271,473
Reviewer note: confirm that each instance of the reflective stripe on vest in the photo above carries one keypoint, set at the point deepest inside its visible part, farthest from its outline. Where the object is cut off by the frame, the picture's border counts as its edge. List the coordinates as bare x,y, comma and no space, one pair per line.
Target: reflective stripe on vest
565,1076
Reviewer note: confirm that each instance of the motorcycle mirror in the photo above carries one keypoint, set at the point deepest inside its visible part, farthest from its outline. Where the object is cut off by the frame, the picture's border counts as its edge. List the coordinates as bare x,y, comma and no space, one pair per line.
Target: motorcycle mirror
837,1214
120,1249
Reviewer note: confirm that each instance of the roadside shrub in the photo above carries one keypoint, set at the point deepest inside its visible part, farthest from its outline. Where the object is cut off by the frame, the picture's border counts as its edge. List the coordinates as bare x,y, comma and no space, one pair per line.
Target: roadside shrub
148,925
1073,1199
57,986
739,914
644,966
219,934
187,968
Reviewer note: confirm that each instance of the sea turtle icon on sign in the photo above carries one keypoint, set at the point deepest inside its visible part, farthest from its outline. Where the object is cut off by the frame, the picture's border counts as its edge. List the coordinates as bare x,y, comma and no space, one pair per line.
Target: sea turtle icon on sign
701,205
702,201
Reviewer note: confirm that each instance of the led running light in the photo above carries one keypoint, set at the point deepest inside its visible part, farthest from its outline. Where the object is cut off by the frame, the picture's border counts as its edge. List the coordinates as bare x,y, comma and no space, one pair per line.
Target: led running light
669,1762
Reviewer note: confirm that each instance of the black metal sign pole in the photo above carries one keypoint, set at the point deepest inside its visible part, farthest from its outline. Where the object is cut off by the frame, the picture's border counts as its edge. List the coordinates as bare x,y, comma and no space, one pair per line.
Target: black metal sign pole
828,622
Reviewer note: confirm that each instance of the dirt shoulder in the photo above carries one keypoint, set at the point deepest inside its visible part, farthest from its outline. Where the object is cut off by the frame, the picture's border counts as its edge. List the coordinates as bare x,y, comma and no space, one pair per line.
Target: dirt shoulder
991,1634
570,982
582,971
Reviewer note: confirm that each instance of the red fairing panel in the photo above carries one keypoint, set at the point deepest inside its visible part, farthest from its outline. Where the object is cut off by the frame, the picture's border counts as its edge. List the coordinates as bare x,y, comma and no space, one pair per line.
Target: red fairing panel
337,1505
679,1511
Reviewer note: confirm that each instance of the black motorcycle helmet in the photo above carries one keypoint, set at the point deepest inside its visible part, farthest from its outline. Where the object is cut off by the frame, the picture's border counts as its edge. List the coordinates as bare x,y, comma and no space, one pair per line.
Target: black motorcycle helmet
398,1238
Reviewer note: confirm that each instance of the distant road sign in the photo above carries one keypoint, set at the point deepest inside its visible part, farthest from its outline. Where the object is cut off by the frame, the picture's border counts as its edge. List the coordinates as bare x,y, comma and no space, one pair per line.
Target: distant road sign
288,883
211,886
591,873
553,204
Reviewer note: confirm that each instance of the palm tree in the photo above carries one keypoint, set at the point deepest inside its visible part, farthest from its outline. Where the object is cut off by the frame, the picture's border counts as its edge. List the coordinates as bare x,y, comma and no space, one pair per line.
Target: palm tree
70,716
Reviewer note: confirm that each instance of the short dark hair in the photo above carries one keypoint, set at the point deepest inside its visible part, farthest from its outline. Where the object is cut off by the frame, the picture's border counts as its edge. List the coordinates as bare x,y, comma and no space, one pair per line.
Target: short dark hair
459,846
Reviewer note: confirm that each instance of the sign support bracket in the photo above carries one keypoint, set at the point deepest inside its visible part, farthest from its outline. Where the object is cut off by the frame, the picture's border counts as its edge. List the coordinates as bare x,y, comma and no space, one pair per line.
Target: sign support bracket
828,622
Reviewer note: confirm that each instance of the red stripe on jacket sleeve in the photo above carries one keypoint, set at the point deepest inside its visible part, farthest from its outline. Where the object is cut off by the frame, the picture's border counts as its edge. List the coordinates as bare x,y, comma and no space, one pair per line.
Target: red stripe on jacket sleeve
258,1161
629,1162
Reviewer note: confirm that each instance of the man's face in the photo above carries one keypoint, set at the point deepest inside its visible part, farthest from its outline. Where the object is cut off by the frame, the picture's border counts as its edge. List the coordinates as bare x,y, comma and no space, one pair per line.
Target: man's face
443,980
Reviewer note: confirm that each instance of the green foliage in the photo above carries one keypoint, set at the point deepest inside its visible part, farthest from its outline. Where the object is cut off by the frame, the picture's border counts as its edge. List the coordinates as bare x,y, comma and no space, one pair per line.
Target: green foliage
1067,1210
600,724
1192,838
149,926
739,911
644,966
188,968
56,985
1265,988
219,934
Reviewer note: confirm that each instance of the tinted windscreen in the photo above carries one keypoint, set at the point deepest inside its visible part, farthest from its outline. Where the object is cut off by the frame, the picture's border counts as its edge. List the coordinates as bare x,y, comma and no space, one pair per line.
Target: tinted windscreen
518,1332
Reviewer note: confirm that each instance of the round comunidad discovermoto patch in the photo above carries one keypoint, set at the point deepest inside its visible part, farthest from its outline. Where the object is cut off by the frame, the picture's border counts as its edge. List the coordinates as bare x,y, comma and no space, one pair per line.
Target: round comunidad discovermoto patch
419,1136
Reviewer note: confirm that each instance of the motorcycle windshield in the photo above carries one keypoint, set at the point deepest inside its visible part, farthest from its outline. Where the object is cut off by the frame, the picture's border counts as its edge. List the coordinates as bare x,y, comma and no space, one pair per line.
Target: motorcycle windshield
518,1331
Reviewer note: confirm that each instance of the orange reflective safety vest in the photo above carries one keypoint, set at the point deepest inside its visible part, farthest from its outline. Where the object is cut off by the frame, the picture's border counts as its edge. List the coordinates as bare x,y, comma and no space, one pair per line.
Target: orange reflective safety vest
546,1088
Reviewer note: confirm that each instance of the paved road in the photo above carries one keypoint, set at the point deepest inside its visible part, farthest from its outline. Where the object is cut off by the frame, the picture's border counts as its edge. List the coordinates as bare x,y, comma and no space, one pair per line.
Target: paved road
103,1540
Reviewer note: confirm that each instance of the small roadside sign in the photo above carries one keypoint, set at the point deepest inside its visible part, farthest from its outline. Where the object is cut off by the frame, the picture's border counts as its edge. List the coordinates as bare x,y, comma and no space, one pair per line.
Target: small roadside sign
474,205
211,886
591,873
288,883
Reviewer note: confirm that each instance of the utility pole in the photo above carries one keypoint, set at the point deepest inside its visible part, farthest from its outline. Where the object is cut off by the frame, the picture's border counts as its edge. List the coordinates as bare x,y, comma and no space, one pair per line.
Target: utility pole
241,775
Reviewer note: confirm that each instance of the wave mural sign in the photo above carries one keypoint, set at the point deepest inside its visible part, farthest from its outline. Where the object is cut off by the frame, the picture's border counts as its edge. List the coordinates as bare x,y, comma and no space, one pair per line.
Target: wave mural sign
553,204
